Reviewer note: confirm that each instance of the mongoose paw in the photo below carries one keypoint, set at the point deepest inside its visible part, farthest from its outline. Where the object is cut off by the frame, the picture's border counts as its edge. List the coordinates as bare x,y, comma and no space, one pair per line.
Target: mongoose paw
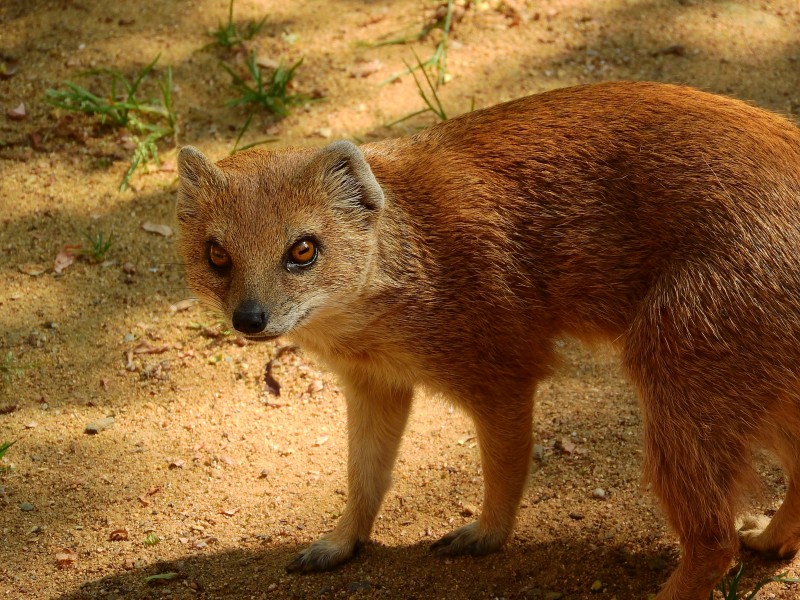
468,540
322,555
754,536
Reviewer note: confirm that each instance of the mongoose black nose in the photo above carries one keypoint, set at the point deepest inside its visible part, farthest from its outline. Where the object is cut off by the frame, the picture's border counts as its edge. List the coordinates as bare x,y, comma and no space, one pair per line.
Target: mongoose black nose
249,317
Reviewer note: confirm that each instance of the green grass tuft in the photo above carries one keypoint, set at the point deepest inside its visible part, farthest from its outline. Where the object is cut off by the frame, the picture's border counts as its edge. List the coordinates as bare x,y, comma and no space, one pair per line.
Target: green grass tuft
227,36
148,122
8,367
273,95
98,246
430,96
438,60
238,148
729,586
4,448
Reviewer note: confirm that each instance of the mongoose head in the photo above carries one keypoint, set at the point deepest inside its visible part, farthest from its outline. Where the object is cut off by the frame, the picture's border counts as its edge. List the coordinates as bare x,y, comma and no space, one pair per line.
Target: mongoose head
279,241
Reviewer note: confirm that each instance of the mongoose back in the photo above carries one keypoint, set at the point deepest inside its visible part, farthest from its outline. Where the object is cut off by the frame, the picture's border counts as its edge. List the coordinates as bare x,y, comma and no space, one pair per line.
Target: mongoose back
662,218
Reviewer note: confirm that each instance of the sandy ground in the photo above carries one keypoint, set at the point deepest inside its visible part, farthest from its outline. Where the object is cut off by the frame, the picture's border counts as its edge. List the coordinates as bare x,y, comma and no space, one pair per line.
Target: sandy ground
206,474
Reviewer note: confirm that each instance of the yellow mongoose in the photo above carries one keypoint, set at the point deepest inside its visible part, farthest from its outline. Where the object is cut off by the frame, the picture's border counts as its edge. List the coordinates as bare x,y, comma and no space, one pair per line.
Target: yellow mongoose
660,217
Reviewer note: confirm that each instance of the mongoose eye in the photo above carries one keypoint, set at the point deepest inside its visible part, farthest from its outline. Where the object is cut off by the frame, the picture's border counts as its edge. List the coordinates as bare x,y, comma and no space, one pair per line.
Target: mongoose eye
218,257
303,253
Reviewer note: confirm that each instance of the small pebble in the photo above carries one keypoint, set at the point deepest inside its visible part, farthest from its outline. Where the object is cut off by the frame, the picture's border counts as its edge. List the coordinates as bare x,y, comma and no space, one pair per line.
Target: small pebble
599,493
358,585
96,427
26,507
538,451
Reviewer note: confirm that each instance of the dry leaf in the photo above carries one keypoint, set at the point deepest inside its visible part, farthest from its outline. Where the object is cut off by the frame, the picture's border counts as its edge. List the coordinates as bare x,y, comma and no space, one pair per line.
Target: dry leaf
229,512
118,535
320,440
18,113
161,578
565,445
160,229
202,543
464,440
145,348
31,269
267,63
177,464
271,384
182,305
365,69
65,558
8,68
64,258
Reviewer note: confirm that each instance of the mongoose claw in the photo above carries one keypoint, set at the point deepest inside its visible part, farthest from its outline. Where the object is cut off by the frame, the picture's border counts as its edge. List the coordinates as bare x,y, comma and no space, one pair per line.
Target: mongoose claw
322,555
468,540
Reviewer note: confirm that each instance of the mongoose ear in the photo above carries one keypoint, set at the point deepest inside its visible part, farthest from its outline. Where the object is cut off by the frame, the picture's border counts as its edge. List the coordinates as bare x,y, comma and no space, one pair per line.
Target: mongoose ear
198,175
348,177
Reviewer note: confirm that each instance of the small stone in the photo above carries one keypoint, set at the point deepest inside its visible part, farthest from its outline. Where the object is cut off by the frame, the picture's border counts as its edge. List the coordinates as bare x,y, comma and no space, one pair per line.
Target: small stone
469,510
576,516
599,493
158,228
26,507
358,585
182,305
538,452
674,50
597,586
96,427
129,268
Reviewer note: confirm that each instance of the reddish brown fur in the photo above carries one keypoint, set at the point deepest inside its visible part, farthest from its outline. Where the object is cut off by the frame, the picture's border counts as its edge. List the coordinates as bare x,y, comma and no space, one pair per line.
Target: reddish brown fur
659,217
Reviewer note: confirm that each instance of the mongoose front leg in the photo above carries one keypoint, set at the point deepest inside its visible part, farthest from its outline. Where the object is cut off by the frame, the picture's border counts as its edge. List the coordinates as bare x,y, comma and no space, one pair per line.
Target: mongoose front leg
376,417
505,440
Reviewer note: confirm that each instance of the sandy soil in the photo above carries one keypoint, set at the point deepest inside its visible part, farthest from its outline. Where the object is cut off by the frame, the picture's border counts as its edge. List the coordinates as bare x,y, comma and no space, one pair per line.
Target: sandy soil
228,479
